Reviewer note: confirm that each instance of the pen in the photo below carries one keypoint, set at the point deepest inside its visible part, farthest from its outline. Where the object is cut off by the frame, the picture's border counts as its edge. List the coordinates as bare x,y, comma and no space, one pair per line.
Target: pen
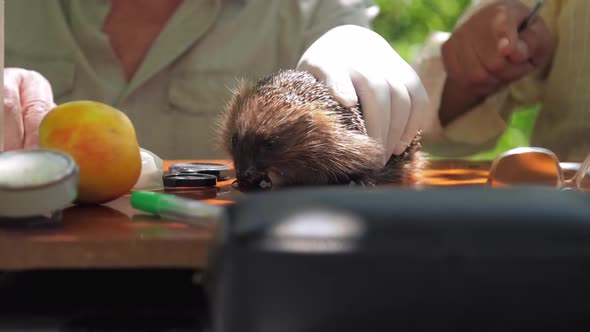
175,207
531,15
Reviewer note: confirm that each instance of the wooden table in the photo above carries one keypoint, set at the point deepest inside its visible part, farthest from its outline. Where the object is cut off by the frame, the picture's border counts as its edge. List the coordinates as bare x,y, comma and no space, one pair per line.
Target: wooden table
115,235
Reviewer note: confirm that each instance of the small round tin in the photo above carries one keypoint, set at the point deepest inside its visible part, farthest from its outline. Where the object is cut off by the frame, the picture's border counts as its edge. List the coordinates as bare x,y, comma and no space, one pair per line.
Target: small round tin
36,182
217,170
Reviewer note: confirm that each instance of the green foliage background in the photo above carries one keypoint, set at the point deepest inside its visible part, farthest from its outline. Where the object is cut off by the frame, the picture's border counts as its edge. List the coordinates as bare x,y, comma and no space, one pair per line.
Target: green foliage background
407,23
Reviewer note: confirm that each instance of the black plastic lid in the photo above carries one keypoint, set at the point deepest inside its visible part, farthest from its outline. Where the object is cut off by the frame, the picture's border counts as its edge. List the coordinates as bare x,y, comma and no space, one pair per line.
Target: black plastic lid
195,180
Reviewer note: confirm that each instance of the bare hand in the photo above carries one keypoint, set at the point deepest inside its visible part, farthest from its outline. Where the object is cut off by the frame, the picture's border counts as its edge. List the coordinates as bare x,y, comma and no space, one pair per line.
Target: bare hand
487,51
27,98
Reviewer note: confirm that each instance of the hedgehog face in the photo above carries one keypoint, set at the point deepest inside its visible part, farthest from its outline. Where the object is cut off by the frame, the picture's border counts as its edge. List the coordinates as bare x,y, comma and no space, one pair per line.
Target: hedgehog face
307,148
253,156
287,130
275,151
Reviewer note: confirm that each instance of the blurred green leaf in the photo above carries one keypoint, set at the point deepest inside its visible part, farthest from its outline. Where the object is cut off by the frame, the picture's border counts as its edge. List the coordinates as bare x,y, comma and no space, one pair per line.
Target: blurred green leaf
406,23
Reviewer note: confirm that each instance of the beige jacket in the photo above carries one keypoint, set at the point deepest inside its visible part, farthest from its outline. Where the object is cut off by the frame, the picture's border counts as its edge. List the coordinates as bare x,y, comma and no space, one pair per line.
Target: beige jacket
561,89
181,87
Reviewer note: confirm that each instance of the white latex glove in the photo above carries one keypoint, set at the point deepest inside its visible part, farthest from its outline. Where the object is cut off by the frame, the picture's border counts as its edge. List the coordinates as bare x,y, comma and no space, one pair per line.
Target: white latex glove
27,98
357,63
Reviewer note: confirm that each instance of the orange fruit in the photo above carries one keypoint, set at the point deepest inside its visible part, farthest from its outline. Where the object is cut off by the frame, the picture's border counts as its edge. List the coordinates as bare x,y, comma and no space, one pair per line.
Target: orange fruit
102,141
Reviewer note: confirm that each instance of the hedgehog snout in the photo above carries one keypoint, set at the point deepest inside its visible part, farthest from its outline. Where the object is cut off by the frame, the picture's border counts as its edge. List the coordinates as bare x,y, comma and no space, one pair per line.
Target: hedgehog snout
253,179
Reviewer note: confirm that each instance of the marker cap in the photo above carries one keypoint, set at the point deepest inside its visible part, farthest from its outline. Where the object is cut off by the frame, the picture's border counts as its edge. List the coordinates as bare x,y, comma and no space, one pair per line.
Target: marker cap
146,201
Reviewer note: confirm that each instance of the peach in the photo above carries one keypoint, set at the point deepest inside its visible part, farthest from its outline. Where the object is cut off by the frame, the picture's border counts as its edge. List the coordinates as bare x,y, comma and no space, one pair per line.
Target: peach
102,141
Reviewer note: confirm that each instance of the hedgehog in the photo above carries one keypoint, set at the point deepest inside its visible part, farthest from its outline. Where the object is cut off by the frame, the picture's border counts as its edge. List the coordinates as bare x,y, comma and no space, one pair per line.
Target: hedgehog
288,130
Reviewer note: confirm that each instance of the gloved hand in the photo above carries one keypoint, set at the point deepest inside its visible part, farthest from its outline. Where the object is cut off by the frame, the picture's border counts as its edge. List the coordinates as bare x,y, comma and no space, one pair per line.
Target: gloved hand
357,63
27,98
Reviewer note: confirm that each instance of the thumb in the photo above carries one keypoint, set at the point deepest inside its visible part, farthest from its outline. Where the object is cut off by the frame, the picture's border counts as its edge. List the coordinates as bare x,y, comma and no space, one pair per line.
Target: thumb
32,117
521,52
506,32
36,101
509,44
13,118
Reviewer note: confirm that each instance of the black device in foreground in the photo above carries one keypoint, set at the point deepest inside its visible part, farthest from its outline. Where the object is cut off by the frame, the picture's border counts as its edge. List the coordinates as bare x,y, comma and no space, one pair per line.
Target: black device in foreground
475,259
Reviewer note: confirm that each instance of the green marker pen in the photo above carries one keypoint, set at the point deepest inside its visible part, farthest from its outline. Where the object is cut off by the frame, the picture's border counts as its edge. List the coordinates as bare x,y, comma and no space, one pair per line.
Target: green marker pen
174,207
